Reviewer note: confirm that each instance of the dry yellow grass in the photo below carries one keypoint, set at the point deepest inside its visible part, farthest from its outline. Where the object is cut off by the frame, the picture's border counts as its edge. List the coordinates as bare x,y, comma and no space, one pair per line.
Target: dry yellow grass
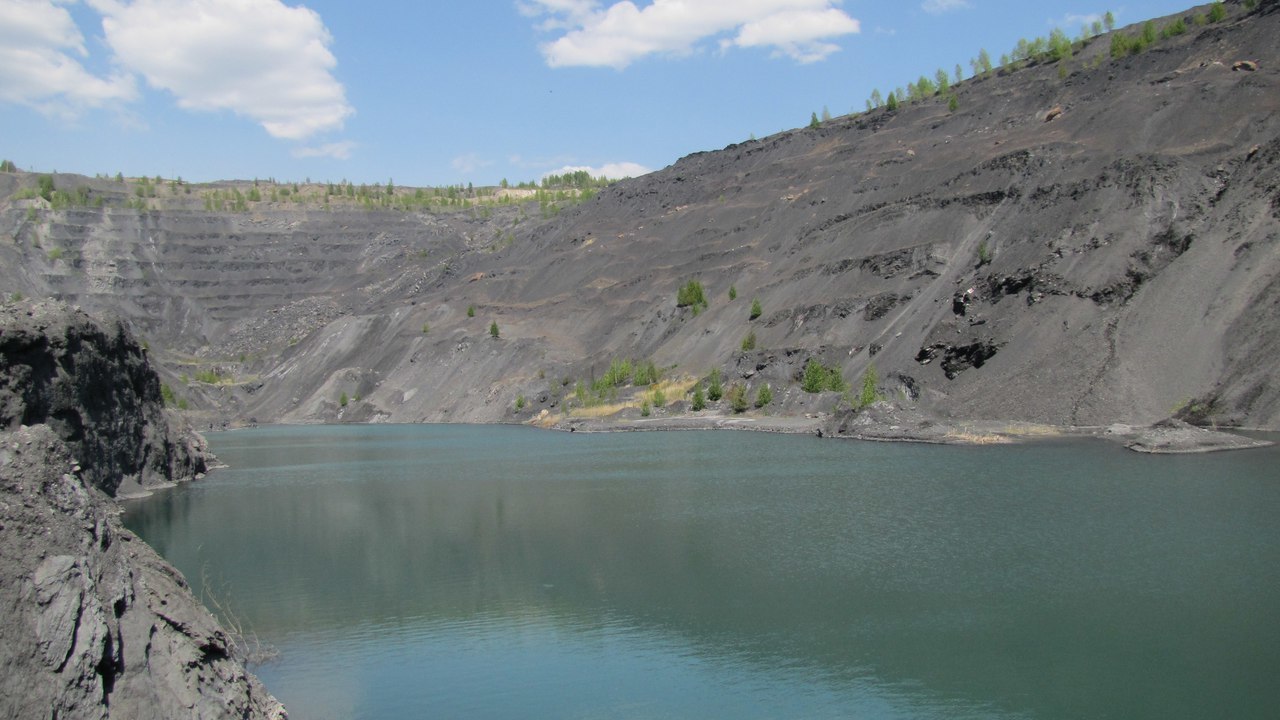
672,389
973,438
1031,430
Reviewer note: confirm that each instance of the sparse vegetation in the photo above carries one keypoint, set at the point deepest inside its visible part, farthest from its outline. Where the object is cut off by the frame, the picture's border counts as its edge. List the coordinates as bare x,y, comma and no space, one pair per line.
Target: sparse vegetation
733,293
471,311
520,402
749,342
756,310
738,397
984,253
715,390
343,400
699,400
764,396
692,295
493,329
819,377
870,387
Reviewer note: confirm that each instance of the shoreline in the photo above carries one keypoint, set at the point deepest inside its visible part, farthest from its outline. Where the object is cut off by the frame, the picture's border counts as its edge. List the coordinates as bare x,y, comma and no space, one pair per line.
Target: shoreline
886,423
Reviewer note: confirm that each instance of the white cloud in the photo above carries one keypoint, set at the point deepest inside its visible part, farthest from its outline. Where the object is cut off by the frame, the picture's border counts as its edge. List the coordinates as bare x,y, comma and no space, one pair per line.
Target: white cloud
622,33
937,7
40,62
613,171
338,150
1071,22
259,58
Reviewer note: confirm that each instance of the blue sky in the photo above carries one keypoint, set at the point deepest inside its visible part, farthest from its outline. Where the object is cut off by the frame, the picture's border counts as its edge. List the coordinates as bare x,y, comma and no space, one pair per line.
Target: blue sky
434,93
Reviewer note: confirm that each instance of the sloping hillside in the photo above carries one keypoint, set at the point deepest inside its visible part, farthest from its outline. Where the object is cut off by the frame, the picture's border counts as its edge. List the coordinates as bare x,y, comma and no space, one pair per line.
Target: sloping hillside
1080,242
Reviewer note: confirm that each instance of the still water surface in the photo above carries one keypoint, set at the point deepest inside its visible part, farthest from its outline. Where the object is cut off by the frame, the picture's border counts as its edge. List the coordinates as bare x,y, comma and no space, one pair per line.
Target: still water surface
501,572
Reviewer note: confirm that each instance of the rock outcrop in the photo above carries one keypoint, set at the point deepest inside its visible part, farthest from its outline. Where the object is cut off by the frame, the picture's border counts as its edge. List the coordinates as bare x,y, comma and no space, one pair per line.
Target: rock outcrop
93,385
93,623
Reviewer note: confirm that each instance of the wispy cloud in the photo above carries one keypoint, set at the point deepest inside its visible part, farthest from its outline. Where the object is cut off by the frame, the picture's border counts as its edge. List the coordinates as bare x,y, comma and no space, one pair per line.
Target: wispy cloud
937,7
337,150
261,59
613,171
622,33
470,163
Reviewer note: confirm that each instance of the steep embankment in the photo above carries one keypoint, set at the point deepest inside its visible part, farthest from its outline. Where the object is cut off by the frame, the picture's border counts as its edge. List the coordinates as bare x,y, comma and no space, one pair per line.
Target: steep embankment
95,624
1078,242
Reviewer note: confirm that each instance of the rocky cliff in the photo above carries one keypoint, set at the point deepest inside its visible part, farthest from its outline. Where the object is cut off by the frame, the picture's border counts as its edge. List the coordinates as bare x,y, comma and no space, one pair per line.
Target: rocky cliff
1077,242
95,624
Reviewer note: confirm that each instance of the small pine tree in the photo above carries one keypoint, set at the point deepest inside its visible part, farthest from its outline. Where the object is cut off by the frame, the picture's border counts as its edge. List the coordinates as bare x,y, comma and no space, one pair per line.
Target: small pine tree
1109,21
493,329
471,311
756,310
738,398
699,401
891,103
749,342
342,400
764,396
1217,12
870,391
813,121
733,293
953,104
714,389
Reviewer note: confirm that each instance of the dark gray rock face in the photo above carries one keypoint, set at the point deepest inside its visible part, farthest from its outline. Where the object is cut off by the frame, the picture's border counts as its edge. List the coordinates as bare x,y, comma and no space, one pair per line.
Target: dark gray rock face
93,623
92,384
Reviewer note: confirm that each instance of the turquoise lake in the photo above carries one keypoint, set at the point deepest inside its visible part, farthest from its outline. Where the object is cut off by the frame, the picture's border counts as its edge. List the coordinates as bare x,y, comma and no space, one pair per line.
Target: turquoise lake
455,571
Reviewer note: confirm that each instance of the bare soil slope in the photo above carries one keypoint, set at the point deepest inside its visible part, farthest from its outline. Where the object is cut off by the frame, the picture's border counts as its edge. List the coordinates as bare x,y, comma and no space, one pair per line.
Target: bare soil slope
1078,243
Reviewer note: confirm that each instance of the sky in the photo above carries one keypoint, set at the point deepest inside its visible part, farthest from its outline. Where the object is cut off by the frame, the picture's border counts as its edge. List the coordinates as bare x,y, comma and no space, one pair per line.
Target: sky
455,92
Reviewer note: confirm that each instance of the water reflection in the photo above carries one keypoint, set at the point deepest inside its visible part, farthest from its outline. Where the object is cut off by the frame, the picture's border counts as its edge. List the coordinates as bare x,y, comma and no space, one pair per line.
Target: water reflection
492,572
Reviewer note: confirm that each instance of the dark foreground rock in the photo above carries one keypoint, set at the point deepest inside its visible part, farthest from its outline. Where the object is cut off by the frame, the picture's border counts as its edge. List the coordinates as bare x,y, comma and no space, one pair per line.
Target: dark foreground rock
93,623
93,385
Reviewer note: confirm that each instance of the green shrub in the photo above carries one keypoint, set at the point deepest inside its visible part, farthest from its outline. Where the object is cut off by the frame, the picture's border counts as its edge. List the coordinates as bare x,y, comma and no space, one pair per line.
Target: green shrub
756,310
749,342
733,293
738,398
984,253
342,401
471,311
166,394
714,389
764,396
870,387
819,377
55,254
646,373
426,328
699,401
644,409
519,403
659,397
691,295
618,374
493,329
1217,12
